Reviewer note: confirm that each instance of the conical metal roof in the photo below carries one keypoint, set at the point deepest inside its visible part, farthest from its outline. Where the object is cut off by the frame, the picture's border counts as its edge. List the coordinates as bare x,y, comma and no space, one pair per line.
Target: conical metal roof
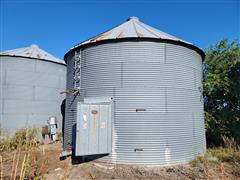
32,51
132,28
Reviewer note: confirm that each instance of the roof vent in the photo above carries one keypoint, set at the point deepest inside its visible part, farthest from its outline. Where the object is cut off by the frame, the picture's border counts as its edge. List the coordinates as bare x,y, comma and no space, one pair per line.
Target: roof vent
133,18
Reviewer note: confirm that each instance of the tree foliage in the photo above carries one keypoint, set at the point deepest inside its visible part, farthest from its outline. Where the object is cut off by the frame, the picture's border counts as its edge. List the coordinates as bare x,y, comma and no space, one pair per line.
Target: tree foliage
221,82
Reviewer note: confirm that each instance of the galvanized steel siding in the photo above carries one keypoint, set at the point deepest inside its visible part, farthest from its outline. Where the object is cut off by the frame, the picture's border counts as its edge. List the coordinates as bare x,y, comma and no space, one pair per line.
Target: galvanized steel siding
30,92
164,79
71,107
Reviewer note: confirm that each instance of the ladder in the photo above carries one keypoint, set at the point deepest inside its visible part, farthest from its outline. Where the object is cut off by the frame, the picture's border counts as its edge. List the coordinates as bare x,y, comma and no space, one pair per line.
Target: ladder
77,70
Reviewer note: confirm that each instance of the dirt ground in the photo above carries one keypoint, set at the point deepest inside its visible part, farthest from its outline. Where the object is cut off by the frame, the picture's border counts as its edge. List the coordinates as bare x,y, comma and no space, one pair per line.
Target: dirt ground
47,165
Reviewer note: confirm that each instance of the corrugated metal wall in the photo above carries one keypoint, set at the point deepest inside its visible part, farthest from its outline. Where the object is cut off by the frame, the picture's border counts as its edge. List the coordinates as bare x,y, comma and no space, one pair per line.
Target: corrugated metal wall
30,92
71,106
164,79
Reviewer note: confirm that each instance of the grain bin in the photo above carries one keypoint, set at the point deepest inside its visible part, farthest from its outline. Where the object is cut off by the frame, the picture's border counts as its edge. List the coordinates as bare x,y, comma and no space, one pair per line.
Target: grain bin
135,96
30,86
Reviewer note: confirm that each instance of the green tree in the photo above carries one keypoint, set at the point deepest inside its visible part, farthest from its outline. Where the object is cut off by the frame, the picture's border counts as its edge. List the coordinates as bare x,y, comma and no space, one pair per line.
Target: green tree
221,82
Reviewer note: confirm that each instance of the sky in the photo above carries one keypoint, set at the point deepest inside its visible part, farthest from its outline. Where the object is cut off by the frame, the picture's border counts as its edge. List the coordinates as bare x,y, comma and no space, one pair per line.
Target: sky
57,25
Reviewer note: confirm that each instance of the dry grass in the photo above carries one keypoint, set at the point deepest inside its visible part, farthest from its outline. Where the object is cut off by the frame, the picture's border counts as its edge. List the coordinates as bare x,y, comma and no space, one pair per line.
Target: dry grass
23,139
219,158
21,145
67,169
229,152
22,157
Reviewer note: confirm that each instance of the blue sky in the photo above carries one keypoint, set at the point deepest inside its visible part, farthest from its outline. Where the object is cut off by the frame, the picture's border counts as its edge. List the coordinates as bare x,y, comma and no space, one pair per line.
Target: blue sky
57,25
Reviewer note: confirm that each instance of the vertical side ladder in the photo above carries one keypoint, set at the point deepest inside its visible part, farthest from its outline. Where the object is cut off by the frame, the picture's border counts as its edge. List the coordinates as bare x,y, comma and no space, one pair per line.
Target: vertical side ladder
77,70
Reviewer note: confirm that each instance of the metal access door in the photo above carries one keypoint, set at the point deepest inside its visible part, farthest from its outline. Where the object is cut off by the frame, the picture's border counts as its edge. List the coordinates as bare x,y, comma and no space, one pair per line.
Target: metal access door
93,135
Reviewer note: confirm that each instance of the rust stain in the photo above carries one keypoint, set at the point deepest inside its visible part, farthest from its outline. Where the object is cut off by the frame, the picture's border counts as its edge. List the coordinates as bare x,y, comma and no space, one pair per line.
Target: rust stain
140,34
121,35
104,35
101,36
94,123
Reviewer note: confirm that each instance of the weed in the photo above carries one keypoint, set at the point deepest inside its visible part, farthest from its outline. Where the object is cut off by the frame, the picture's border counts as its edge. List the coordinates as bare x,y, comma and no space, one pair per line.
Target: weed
230,152
22,144
22,138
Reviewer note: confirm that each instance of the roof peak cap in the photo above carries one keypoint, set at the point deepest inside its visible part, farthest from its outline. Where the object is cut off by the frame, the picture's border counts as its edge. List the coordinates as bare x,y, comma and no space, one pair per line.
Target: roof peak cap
34,46
134,18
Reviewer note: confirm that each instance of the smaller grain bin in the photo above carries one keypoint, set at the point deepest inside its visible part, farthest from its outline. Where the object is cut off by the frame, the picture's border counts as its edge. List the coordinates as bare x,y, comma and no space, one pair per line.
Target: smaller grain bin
135,96
31,80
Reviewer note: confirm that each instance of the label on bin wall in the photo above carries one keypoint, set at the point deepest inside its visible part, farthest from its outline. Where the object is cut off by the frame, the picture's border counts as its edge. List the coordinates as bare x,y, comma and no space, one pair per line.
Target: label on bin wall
94,112
103,125
85,126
